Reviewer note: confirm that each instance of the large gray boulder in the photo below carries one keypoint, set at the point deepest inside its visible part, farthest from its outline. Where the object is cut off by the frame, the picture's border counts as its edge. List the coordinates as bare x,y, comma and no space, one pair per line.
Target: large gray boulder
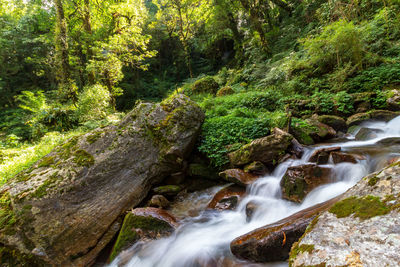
66,208
268,150
362,229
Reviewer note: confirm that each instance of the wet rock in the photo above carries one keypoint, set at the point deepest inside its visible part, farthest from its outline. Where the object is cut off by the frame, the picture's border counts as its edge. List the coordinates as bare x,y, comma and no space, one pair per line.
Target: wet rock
274,241
143,223
251,208
296,148
367,133
298,181
337,123
361,229
68,203
200,170
380,115
311,130
168,190
389,141
339,157
158,201
227,198
267,150
238,177
321,156
393,102
256,167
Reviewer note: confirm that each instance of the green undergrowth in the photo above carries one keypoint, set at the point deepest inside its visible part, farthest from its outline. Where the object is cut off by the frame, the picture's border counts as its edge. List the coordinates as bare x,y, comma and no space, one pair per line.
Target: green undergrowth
26,155
363,207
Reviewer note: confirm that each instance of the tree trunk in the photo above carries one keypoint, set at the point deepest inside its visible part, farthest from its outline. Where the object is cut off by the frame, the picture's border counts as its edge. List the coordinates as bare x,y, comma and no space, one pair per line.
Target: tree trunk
88,29
61,44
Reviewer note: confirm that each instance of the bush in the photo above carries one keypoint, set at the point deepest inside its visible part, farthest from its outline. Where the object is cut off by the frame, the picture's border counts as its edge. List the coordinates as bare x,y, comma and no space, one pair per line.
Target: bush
93,103
221,135
338,44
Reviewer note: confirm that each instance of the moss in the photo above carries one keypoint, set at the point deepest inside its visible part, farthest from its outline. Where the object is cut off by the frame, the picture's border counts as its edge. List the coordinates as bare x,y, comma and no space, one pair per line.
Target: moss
205,85
12,257
296,250
41,191
227,90
93,137
46,162
294,189
7,215
373,180
127,235
168,189
83,158
363,208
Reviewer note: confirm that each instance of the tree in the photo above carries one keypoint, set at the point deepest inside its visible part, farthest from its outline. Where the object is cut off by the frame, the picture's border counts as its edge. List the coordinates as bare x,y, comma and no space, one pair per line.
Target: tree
183,18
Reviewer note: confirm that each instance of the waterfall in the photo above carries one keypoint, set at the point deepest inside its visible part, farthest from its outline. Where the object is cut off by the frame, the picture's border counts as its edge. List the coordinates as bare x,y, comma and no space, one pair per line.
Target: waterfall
207,237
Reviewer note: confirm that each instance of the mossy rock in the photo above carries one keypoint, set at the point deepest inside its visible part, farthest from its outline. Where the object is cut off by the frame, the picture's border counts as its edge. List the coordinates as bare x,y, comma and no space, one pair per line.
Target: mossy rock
337,123
143,223
205,85
168,190
309,131
360,207
227,90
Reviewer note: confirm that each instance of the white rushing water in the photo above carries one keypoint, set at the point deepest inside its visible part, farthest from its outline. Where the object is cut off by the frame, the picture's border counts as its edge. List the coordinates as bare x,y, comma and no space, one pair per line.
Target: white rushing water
207,237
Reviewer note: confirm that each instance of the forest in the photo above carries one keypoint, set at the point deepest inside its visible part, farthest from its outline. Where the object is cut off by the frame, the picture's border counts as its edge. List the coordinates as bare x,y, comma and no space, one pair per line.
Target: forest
71,68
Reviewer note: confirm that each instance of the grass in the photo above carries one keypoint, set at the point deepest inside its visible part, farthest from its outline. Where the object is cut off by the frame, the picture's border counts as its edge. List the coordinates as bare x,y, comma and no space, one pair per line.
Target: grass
25,156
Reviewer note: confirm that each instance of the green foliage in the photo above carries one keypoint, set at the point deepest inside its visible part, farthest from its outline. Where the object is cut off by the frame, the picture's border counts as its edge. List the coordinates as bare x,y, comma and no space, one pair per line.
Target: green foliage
16,160
375,78
339,43
93,103
224,134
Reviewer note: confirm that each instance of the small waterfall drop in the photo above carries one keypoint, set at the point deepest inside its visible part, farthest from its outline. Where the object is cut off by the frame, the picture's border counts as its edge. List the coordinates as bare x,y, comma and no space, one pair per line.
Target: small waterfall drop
206,238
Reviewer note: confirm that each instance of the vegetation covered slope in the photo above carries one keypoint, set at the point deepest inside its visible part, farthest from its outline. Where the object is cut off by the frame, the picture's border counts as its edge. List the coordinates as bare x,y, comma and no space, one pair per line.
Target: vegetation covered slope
67,66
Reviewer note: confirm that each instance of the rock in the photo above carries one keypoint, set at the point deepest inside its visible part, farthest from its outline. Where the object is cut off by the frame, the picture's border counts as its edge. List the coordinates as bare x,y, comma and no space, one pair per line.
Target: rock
200,170
321,156
256,167
362,229
227,90
267,150
205,85
362,101
66,206
298,181
389,141
158,201
168,190
251,207
296,148
367,133
337,123
143,223
310,131
227,198
380,115
273,242
238,177
175,178
339,157
393,100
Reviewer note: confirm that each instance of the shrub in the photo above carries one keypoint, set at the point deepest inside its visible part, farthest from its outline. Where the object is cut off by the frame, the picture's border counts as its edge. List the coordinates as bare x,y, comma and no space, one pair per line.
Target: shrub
93,103
221,135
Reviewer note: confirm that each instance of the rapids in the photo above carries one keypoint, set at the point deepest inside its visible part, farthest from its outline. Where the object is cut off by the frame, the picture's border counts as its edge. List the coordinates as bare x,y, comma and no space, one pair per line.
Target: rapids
205,239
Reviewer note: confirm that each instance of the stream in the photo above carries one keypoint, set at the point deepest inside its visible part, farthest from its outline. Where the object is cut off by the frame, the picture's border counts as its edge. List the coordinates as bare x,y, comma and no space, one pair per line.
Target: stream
204,240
